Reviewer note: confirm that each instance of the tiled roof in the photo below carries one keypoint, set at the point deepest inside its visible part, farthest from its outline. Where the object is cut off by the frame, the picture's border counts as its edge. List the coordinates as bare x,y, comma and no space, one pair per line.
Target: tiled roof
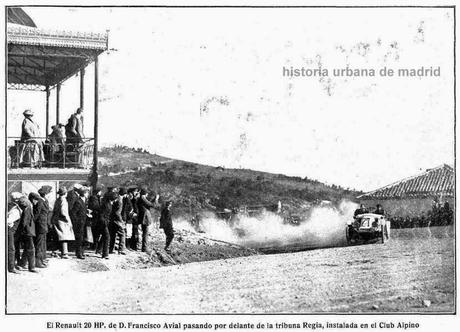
436,181
22,35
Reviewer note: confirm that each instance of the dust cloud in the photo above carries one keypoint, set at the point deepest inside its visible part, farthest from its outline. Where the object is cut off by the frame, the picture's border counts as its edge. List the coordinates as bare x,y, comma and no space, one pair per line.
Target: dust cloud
322,226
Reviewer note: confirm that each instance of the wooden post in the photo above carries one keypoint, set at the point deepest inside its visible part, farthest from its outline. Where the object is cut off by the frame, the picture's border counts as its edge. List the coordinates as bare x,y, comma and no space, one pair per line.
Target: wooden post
47,110
58,93
96,118
82,87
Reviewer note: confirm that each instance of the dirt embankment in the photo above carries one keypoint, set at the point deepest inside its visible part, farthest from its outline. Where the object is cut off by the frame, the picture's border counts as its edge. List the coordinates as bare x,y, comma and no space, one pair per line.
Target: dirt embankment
187,247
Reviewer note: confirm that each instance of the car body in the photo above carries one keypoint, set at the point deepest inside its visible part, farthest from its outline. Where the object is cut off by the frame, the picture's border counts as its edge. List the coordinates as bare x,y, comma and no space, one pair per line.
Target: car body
368,226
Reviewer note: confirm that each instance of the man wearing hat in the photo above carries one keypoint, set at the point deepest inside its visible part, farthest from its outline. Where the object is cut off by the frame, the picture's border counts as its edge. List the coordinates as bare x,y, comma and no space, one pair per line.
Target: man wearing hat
133,194
62,223
31,149
44,191
94,205
78,217
166,224
40,211
145,217
104,220
13,220
117,223
26,236
72,195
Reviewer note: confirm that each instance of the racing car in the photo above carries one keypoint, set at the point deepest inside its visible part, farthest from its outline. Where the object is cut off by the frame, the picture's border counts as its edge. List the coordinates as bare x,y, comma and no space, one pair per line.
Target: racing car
366,227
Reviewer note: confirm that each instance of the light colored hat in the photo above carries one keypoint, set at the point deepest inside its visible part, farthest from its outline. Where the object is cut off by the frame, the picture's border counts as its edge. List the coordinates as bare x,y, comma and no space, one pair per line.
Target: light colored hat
28,113
16,195
77,186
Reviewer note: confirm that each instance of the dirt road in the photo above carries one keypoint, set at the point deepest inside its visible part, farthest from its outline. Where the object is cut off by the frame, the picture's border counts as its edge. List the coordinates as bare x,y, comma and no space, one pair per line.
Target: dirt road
415,266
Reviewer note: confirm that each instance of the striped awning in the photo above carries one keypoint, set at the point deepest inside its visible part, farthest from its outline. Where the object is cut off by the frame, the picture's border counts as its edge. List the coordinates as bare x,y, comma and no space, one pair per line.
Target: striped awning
437,181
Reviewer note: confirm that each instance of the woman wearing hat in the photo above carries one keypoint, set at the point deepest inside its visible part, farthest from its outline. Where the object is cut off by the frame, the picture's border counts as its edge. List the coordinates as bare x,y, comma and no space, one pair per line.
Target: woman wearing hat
31,148
61,221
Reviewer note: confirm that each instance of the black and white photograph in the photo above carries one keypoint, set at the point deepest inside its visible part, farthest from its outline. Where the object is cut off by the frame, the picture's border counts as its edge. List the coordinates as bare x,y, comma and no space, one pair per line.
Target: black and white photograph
238,167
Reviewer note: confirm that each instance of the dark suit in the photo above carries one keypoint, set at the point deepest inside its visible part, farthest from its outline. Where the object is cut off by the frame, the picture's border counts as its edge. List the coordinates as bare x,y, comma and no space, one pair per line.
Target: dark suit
144,218
78,217
41,211
166,224
26,235
72,196
117,225
94,204
104,220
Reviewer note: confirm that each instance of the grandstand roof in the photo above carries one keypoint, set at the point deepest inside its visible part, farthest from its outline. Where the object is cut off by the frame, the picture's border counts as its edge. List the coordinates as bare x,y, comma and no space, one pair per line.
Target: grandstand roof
438,181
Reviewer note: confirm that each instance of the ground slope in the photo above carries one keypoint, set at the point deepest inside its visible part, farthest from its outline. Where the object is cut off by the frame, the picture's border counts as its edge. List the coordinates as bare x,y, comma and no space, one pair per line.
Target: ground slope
414,272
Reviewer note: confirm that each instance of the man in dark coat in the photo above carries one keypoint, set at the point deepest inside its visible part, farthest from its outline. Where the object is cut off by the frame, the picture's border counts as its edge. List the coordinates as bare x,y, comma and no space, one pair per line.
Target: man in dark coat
134,194
94,205
40,210
118,223
104,220
26,236
74,127
43,192
72,194
166,224
13,219
78,217
128,214
144,216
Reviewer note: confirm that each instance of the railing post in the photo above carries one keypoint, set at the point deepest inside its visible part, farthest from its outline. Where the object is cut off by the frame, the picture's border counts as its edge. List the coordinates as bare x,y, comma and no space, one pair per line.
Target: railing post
47,109
82,87
96,119
58,93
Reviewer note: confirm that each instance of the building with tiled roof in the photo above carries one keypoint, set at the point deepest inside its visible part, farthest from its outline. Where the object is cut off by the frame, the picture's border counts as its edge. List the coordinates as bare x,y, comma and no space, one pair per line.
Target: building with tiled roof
415,195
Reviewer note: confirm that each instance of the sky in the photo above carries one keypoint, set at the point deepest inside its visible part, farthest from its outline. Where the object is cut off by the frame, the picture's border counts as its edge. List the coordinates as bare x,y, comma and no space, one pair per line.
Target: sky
207,85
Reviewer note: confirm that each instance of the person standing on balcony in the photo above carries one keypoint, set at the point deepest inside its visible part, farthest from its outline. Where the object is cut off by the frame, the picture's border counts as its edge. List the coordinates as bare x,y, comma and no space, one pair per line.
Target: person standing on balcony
41,211
62,222
31,148
74,127
78,217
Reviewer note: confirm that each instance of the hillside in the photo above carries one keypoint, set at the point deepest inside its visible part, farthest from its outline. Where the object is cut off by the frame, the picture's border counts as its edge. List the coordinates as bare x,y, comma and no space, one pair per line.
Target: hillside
196,188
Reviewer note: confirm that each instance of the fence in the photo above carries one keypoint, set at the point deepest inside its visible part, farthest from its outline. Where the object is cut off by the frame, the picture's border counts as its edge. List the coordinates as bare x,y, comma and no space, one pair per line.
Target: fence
40,152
